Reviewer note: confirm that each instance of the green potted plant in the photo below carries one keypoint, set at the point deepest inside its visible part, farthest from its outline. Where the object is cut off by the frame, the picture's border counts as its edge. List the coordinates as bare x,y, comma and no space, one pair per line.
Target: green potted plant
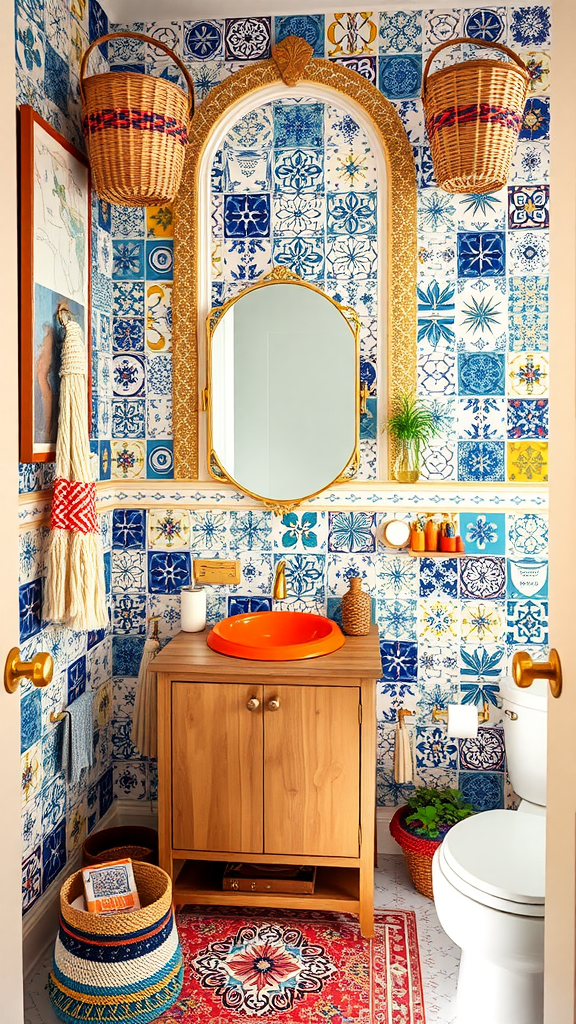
412,425
420,826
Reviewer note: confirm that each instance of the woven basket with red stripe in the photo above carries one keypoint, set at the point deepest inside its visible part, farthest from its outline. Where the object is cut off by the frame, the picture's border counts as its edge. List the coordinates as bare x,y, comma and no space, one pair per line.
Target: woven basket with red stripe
136,130
473,113
418,852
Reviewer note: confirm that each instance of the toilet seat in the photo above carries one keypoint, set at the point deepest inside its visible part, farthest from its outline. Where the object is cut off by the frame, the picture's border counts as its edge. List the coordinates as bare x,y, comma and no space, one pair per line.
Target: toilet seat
497,858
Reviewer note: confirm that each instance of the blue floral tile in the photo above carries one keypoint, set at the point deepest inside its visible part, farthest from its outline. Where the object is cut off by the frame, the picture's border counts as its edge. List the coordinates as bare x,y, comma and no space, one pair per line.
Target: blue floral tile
160,260
127,655
128,298
305,575
441,25
304,531
364,65
390,697
128,375
245,170
128,417
208,531
351,531
131,780
530,26
97,24
128,259
128,335
306,26
528,314
298,215
31,879
30,602
400,32
528,206
30,718
53,803
396,619
399,660
127,221
400,75
298,171
436,312
298,124
128,528
203,40
76,675
528,418
247,216
483,576
251,531
535,119
434,748
438,576
247,38
481,460
159,375
122,745
304,256
527,622
484,790
482,418
168,572
105,792
53,854
489,24
481,254
56,78
351,213
481,373
160,460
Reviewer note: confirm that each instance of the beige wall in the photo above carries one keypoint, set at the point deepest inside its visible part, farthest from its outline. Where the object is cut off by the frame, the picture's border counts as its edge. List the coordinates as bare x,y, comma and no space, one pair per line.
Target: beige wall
561,861
10,854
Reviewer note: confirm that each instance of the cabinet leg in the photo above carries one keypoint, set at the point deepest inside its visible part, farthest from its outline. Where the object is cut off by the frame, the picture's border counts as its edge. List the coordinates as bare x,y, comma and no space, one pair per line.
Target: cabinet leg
367,900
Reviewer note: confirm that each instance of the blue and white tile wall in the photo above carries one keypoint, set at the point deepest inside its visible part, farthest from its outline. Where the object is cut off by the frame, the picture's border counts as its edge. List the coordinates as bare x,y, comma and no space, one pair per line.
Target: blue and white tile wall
50,39
447,628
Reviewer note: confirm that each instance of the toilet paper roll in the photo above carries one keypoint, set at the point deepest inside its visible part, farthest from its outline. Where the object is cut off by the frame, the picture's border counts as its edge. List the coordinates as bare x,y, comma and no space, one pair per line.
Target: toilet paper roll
462,720
193,609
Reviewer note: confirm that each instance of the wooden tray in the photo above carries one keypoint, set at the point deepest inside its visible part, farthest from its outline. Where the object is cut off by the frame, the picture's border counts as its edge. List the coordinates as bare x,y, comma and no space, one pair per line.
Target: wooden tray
269,878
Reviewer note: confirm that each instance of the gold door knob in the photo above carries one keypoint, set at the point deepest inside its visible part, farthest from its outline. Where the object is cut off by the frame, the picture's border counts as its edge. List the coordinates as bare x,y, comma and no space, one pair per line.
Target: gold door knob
273,704
39,670
525,671
253,704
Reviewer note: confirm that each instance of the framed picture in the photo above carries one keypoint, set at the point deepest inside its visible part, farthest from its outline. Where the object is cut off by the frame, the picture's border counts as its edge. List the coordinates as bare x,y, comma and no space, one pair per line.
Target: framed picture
54,273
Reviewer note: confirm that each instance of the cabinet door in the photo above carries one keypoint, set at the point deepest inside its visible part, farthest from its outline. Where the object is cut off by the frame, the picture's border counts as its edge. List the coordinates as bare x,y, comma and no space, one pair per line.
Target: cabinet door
216,767
312,770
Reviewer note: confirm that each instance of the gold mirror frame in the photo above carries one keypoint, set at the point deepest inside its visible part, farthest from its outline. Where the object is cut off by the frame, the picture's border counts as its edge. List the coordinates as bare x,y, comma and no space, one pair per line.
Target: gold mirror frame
281,275
292,63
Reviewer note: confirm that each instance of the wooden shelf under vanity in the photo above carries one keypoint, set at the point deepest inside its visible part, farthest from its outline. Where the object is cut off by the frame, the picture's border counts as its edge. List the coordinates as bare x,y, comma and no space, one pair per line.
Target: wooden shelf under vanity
336,889
268,762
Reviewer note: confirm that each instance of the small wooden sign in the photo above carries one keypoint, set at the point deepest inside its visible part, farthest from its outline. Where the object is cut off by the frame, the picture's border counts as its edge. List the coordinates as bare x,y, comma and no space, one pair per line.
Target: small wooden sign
216,570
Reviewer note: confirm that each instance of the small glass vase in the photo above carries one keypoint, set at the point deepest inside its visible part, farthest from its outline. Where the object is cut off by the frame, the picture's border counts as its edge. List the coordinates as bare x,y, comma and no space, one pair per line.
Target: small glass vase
407,465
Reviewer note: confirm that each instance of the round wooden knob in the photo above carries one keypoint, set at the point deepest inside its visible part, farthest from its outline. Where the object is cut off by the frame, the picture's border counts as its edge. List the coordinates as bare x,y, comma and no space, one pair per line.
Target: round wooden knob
273,704
253,704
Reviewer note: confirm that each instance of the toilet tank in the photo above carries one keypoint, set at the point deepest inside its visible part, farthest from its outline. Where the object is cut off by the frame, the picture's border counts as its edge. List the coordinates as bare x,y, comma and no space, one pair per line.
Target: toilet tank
525,719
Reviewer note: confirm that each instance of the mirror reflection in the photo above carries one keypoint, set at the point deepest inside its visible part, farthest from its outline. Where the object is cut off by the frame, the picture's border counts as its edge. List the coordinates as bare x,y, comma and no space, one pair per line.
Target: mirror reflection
283,389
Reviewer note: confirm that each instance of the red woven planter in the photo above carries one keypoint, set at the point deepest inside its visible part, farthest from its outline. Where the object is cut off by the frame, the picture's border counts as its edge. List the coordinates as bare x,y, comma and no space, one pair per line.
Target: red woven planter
418,852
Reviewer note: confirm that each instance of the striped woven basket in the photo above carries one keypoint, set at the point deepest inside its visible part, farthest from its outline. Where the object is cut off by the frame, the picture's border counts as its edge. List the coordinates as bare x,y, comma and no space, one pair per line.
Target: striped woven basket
122,967
418,852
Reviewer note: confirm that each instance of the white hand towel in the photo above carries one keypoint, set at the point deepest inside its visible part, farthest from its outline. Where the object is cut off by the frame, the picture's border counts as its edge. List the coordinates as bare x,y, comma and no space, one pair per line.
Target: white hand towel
403,763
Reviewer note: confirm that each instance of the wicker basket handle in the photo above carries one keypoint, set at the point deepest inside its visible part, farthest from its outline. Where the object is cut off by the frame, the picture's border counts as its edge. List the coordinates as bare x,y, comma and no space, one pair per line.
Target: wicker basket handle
474,42
144,39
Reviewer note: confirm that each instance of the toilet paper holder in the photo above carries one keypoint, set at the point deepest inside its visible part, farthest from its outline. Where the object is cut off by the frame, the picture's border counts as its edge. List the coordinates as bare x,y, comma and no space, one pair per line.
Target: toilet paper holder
441,714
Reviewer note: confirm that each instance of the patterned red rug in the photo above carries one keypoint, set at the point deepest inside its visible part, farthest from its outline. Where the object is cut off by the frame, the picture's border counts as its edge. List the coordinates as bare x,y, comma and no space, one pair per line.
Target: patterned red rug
290,967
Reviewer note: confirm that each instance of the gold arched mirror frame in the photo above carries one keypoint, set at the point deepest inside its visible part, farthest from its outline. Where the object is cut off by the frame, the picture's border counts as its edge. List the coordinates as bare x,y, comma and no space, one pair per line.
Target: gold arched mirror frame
292,63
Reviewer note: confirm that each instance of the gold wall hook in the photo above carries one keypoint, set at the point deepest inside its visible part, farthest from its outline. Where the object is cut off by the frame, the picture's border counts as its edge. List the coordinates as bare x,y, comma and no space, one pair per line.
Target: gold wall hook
402,712
39,670
525,671
58,716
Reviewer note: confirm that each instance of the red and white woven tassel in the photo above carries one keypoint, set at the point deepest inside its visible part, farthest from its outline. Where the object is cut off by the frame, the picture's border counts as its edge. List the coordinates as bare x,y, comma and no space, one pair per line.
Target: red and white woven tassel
75,592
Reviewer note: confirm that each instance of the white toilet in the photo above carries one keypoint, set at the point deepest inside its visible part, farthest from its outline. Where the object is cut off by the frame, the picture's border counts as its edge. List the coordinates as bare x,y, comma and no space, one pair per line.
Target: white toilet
488,878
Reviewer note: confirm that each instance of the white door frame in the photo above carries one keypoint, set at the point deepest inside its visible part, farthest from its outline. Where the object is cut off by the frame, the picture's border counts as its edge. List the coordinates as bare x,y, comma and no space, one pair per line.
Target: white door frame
561,801
10,846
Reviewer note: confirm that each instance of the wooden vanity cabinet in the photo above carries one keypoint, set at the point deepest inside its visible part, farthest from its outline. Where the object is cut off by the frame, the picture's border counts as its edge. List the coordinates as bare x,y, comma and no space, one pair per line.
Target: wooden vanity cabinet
268,763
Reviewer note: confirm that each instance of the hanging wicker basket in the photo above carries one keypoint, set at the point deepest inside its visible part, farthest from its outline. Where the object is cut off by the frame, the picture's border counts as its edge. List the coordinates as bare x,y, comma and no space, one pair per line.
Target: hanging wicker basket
418,852
473,113
136,130
117,967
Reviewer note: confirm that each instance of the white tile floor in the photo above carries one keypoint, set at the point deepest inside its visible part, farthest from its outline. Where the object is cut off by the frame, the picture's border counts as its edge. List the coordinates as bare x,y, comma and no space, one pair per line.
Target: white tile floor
393,889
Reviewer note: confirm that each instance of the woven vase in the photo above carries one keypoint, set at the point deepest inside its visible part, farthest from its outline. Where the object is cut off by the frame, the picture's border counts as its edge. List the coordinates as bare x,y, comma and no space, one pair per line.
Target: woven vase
356,609
117,967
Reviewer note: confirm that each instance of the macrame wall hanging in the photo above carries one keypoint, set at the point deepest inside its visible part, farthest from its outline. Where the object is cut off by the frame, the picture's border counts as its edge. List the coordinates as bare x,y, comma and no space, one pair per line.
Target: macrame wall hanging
75,591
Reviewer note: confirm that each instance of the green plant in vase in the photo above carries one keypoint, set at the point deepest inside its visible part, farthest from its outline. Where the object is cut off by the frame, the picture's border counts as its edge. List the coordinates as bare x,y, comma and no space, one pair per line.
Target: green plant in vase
434,811
413,426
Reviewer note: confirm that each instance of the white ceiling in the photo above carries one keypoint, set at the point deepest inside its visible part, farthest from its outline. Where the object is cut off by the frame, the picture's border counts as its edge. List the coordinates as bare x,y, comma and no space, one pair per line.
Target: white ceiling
127,11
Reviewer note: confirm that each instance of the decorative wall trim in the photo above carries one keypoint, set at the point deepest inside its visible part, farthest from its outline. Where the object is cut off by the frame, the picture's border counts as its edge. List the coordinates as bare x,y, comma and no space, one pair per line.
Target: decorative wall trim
385,497
402,239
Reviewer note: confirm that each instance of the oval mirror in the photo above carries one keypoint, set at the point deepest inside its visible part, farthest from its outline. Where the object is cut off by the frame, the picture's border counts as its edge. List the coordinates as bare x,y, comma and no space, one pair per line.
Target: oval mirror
283,390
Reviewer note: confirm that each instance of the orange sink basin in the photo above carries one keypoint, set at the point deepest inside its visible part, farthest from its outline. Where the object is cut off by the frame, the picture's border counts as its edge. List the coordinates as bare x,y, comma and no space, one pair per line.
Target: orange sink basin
276,636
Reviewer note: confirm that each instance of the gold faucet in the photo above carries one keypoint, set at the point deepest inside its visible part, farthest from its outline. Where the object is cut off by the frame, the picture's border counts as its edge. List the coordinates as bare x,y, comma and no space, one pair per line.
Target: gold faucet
280,591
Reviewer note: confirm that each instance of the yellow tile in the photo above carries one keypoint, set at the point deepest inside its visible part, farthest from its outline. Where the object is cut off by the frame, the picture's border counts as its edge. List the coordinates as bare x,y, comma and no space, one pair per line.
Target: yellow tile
528,461
159,223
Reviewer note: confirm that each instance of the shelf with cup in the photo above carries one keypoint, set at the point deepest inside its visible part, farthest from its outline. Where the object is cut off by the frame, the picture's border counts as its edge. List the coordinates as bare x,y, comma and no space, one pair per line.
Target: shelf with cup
436,554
